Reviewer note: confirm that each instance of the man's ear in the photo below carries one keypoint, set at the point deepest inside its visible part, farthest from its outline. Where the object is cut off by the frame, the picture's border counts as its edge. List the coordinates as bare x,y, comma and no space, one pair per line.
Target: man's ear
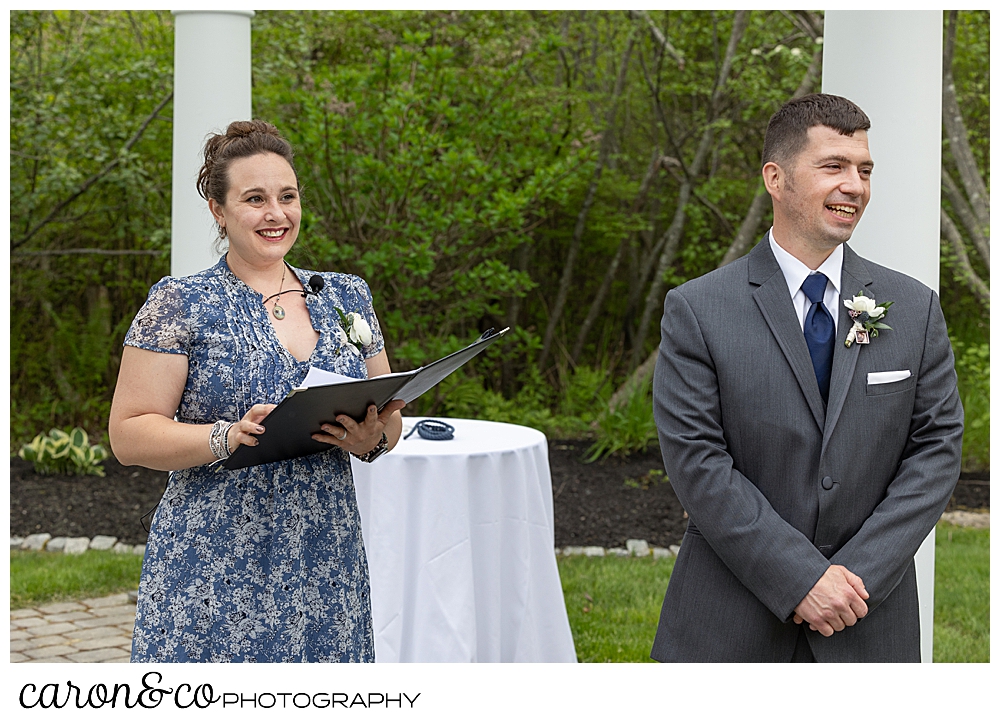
774,178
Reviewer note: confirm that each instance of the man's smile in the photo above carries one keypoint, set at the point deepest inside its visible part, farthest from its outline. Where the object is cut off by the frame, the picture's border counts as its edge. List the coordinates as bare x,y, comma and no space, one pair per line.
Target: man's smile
842,211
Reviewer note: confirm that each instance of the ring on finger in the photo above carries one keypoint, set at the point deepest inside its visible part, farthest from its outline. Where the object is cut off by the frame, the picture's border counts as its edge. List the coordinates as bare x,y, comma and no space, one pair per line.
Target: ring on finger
341,439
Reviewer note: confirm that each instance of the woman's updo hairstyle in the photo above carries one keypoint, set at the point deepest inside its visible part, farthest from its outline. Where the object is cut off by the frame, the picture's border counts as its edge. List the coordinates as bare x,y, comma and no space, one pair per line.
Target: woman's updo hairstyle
242,139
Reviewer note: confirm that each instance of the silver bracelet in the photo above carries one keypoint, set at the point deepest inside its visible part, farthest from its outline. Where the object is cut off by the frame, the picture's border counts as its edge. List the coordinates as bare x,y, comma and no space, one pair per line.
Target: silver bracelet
218,440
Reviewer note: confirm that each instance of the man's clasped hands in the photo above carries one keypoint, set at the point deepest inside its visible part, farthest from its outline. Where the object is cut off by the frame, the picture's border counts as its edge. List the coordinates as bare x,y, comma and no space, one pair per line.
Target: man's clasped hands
836,601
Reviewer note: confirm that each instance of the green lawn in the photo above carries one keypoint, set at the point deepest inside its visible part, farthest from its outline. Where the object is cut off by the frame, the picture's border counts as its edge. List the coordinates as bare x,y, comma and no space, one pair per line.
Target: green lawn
614,602
962,595
614,605
37,578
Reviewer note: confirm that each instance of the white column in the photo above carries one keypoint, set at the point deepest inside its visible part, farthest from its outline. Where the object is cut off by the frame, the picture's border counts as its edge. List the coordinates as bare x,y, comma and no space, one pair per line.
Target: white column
889,63
211,89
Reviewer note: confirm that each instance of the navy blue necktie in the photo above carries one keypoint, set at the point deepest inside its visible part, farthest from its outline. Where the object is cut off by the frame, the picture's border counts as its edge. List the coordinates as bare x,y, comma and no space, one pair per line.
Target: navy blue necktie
819,331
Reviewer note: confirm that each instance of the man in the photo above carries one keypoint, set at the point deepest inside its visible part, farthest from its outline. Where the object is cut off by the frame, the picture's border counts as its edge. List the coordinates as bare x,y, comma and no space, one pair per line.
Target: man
811,470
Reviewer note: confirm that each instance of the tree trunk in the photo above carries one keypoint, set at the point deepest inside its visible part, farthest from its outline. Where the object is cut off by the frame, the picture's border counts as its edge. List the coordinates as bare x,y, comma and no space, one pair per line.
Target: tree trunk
744,236
676,229
522,258
639,276
967,273
748,229
972,208
965,215
958,138
609,276
660,38
581,220
759,205
811,76
635,379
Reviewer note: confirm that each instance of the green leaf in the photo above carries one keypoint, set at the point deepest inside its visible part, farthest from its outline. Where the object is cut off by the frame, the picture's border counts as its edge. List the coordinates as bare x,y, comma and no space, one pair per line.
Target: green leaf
78,455
59,448
99,453
78,437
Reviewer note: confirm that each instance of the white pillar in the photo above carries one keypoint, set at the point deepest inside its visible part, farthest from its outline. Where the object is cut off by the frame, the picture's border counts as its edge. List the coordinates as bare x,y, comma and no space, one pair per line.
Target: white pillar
889,63
211,89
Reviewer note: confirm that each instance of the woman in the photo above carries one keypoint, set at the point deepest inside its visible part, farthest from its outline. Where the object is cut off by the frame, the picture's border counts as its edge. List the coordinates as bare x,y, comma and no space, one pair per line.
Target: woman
266,563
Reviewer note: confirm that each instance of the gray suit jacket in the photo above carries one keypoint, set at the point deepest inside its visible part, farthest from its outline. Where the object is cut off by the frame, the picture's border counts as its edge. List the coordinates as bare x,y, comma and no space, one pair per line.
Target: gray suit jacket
779,485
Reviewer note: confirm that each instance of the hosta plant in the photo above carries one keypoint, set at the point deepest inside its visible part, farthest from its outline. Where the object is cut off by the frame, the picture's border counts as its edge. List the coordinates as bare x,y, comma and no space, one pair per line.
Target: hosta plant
59,452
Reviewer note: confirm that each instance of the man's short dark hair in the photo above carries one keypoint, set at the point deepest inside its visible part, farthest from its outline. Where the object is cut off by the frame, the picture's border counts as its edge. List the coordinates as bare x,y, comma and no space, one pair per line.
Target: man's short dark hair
788,129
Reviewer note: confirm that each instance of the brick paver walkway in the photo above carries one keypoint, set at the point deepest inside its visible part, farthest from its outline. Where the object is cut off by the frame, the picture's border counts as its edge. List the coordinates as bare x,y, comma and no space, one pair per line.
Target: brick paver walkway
98,630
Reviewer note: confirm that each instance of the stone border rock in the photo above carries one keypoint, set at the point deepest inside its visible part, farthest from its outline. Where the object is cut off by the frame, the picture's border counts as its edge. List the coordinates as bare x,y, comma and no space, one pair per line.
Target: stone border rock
966,518
641,548
74,545
633,548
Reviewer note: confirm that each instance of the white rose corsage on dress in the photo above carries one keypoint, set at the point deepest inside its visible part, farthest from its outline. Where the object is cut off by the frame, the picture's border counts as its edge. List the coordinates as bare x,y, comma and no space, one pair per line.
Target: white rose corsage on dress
356,327
868,319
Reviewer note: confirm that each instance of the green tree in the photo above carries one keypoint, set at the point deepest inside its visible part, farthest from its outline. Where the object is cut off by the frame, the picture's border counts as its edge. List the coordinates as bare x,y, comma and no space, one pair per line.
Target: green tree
90,212
965,220
555,172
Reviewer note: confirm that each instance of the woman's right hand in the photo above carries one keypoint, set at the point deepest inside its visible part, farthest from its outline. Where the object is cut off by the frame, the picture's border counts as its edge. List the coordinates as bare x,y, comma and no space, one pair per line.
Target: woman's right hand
243,431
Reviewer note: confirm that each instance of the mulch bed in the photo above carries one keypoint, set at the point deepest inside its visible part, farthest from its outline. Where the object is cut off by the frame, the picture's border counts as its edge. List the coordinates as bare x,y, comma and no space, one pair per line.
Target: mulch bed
611,501
604,503
608,502
84,506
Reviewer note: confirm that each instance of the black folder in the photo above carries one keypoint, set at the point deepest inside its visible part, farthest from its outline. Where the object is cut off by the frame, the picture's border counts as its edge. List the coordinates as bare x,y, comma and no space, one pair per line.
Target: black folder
289,426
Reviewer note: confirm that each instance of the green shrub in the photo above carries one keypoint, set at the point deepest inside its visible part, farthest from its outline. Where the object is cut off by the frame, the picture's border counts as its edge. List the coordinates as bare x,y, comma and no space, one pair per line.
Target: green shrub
627,428
64,453
586,393
467,397
972,363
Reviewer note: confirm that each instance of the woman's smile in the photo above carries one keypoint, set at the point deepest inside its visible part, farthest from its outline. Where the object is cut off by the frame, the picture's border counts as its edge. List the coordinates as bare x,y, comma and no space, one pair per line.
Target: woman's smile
273,234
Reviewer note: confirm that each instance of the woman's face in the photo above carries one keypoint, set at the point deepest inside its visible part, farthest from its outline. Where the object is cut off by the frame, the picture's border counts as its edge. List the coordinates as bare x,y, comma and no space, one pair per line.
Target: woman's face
262,212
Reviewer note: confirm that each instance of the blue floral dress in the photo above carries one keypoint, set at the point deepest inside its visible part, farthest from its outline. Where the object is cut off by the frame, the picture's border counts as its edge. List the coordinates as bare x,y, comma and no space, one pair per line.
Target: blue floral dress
263,564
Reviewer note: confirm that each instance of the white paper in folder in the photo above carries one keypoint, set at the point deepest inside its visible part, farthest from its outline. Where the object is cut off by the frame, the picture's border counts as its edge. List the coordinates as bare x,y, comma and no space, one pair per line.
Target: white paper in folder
320,377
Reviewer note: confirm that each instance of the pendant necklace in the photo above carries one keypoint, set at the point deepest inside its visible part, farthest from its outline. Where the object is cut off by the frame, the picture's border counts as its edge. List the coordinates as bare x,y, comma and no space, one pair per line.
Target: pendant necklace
279,313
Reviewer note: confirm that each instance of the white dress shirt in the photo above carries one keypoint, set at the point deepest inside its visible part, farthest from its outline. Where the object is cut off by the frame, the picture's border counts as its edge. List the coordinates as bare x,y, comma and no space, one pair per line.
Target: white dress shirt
796,272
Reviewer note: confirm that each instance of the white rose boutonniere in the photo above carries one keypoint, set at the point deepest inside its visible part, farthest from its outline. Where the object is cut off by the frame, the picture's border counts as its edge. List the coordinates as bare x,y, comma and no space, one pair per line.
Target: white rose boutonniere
868,319
356,327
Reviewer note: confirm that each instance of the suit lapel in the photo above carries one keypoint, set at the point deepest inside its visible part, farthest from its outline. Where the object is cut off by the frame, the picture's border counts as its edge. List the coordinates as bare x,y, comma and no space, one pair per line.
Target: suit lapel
775,304
854,276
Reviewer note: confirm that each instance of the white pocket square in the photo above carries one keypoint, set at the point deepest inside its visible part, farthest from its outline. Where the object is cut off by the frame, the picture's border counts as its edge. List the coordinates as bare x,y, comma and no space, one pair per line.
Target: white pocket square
888,377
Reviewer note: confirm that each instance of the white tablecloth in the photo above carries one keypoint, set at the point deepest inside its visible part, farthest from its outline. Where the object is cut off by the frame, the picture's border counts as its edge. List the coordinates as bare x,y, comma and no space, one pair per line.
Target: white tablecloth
460,543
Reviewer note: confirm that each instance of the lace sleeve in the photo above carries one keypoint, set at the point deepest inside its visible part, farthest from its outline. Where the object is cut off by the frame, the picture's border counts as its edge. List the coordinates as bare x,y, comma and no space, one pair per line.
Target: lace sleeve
162,323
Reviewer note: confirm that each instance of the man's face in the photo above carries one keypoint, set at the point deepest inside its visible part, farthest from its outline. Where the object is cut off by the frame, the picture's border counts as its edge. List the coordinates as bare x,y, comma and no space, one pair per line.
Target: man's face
827,187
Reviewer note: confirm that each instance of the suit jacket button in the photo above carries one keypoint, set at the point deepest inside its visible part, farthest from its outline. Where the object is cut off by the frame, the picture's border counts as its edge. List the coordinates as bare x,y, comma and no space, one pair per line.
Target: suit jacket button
827,483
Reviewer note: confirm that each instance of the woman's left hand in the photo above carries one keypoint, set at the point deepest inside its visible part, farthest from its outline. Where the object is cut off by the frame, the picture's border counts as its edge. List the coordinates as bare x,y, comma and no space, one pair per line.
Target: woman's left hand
359,438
